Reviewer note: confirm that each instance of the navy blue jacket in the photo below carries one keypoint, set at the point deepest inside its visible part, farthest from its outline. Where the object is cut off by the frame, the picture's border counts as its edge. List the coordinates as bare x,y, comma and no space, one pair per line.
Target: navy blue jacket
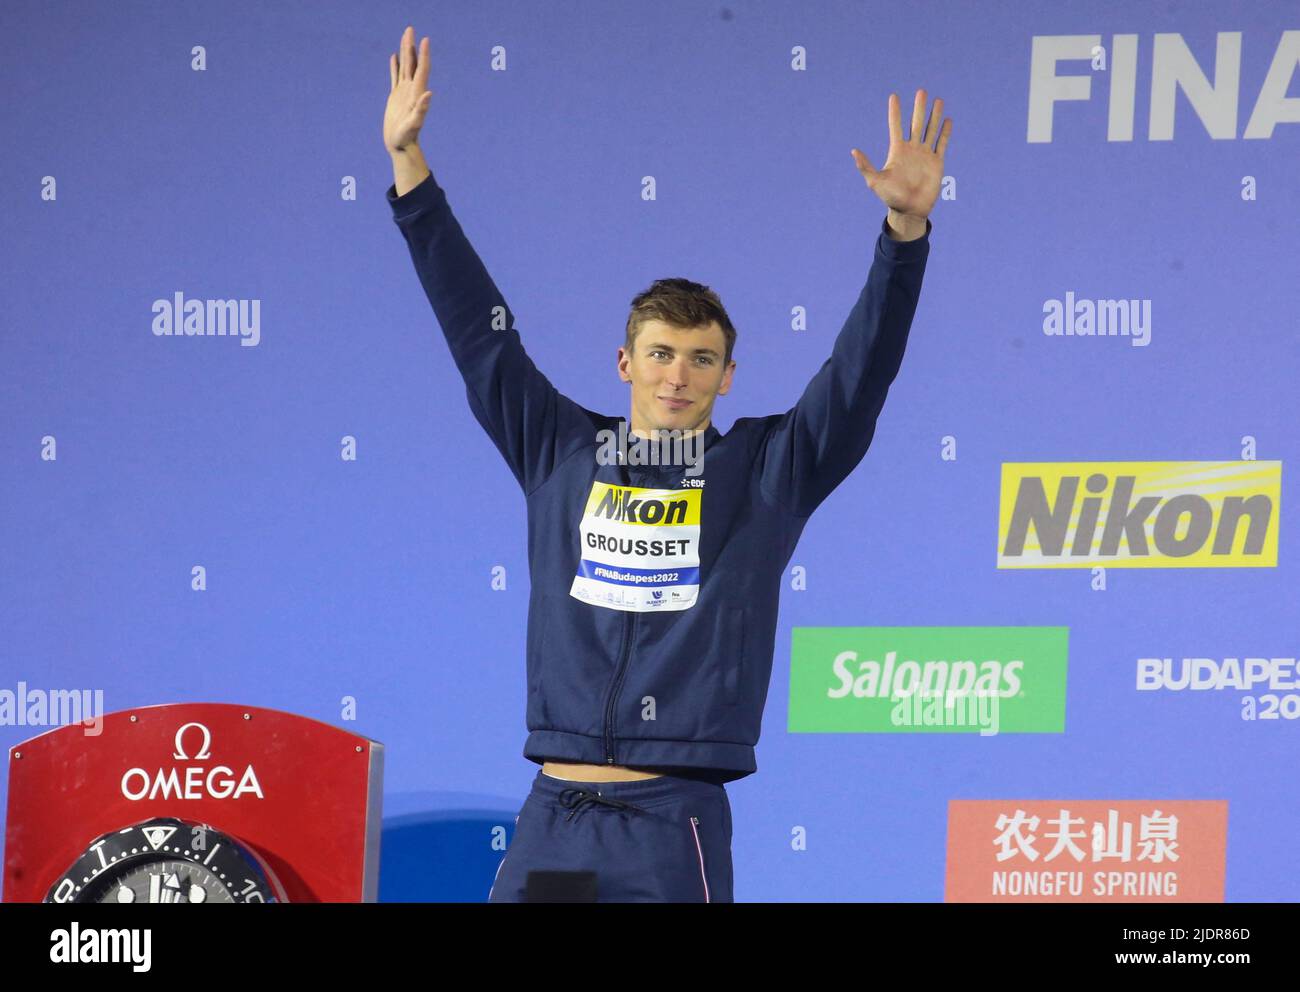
653,607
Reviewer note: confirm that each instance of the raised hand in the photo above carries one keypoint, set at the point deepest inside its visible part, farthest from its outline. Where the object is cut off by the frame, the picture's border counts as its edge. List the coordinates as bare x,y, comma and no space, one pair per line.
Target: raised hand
409,98
909,182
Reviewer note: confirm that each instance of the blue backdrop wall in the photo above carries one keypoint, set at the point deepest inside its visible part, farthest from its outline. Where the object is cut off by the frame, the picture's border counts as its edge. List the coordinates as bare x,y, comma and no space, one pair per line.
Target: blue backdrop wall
233,151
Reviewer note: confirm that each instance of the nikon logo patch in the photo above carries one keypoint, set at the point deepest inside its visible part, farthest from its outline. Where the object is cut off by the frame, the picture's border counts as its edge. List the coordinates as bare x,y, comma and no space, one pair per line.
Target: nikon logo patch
640,549
1139,514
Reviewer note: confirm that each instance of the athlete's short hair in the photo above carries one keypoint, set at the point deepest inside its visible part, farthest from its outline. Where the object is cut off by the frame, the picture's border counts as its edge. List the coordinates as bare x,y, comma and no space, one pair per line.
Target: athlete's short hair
681,303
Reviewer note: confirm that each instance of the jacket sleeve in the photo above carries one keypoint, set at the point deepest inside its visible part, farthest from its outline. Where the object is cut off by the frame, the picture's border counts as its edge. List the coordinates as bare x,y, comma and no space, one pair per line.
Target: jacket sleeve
813,447
532,424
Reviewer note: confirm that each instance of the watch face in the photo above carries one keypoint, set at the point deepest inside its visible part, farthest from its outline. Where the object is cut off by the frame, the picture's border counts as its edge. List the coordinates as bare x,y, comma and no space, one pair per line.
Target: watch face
167,860
157,881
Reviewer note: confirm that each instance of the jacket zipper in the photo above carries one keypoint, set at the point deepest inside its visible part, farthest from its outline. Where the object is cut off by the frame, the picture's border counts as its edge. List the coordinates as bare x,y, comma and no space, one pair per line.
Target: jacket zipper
628,626
695,828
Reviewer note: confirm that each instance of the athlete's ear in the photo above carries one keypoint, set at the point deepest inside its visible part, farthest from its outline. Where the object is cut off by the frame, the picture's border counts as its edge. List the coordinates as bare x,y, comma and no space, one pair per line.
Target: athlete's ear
623,360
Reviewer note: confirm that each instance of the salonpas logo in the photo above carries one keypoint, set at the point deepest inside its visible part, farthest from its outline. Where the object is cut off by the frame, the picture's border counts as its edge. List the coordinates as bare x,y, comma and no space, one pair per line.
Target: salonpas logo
983,680
1139,514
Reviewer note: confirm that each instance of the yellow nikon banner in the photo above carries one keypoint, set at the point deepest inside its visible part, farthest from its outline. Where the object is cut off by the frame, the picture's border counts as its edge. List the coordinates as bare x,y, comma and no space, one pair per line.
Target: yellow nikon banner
1139,514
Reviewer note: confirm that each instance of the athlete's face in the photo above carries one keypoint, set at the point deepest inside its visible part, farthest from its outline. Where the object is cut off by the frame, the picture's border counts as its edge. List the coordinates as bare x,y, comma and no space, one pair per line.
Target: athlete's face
675,363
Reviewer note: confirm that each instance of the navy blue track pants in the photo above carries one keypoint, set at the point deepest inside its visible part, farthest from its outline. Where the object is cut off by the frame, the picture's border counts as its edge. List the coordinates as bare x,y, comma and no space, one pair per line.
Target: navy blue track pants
663,839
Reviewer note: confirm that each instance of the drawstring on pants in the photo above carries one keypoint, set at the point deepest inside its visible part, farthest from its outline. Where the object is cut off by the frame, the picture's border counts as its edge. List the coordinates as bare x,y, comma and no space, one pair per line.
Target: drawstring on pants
576,799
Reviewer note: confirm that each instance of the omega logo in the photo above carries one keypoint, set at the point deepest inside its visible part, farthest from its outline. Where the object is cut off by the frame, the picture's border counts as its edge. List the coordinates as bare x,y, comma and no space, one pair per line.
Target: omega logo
192,782
204,752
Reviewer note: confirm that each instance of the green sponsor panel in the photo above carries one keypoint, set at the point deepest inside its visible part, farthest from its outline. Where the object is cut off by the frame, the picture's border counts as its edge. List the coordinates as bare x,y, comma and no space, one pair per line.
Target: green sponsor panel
892,680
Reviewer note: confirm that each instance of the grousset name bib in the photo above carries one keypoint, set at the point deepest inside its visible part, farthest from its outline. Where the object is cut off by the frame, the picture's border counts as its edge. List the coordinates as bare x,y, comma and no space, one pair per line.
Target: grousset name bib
640,549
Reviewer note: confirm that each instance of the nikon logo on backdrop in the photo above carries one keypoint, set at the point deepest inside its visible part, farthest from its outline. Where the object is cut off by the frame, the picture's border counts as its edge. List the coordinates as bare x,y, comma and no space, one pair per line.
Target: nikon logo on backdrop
884,680
1139,514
